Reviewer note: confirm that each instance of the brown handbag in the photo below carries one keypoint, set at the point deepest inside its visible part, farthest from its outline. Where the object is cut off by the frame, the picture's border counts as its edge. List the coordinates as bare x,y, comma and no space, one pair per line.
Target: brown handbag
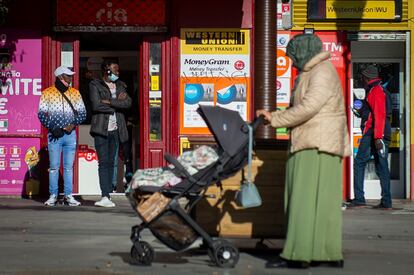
152,206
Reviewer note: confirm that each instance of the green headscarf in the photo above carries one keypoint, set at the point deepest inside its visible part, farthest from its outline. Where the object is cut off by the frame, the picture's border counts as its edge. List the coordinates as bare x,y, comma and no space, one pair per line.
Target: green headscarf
302,48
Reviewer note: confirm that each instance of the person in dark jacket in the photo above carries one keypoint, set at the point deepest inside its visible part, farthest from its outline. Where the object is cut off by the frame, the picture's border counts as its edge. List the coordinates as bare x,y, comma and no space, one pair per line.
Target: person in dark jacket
108,98
375,141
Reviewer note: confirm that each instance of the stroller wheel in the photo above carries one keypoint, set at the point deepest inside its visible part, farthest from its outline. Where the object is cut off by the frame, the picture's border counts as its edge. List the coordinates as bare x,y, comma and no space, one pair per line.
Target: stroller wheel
225,254
144,258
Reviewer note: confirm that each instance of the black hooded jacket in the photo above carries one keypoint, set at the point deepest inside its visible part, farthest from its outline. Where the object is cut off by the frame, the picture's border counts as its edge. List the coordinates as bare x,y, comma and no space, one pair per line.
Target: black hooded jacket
98,91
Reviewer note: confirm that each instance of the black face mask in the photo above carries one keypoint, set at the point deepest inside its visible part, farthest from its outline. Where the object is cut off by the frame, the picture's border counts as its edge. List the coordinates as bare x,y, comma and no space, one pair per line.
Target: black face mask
60,86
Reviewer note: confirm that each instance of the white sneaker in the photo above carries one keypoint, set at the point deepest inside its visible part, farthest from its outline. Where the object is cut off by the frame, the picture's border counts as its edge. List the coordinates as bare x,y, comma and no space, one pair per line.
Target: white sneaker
51,201
71,201
105,202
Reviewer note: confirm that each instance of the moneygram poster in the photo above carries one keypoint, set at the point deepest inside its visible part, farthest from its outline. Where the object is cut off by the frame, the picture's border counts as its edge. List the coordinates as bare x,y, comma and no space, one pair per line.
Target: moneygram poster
215,71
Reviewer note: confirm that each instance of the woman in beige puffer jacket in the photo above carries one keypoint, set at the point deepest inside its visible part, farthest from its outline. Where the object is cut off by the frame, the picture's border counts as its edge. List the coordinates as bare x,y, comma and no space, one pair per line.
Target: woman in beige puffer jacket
318,142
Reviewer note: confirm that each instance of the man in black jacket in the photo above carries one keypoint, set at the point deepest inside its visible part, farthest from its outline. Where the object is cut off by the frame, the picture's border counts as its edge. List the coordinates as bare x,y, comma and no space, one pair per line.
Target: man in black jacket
108,99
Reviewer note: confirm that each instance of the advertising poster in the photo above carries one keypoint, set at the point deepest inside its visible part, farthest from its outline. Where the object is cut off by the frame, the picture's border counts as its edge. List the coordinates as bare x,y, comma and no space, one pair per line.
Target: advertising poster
20,82
215,70
332,43
283,78
18,164
88,170
284,15
283,91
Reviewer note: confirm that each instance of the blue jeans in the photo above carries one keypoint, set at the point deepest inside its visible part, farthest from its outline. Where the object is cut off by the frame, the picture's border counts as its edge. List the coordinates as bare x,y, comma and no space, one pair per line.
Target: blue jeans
106,148
365,150
67,144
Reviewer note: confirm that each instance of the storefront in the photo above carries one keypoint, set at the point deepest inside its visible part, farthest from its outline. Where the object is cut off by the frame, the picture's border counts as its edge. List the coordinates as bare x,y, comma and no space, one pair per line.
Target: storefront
148,39
173,57
358,33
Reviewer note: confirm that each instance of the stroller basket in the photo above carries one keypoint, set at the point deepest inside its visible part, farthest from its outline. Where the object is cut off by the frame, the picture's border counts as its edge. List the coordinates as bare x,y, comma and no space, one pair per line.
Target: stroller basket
173,231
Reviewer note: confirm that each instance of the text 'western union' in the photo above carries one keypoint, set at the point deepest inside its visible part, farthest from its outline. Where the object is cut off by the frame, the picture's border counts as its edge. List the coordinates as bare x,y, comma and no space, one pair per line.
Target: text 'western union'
357,9
215,38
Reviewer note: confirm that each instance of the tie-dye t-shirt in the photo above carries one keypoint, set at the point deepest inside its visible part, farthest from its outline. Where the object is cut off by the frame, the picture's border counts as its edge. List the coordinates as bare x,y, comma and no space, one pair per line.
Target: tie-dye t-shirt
55,111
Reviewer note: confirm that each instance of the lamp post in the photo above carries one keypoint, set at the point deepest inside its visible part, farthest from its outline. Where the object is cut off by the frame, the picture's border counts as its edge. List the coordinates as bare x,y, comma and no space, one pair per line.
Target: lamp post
265,61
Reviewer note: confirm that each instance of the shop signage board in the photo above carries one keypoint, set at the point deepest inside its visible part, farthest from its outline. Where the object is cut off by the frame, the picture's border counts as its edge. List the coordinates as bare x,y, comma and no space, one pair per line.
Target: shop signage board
384,36
108,16
20,82
215,70
350,9
18,164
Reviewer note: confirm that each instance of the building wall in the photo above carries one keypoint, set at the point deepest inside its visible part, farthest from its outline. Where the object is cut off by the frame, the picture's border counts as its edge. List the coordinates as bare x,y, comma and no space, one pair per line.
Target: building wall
214,14
406,24
26,13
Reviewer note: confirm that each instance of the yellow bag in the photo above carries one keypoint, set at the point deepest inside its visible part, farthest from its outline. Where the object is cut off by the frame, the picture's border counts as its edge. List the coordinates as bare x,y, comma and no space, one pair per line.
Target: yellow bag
153,206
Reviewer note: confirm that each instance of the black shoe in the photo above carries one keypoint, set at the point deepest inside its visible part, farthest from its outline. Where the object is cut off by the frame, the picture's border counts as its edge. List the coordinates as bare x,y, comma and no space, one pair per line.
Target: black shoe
382,207
355,204
128,177
336,264
287,264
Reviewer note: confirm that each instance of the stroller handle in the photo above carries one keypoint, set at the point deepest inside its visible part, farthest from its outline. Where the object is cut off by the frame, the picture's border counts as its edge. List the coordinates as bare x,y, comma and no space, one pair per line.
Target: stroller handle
259,120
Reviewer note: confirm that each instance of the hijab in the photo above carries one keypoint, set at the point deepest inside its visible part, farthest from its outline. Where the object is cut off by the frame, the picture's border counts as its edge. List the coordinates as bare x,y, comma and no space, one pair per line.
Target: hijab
302,48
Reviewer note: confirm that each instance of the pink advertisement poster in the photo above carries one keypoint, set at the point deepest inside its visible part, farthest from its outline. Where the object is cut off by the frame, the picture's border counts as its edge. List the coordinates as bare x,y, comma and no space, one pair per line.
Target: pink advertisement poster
19,158
20,81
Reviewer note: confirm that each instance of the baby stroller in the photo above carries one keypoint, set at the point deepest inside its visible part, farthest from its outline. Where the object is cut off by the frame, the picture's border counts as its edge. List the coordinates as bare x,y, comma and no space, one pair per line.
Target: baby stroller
160,206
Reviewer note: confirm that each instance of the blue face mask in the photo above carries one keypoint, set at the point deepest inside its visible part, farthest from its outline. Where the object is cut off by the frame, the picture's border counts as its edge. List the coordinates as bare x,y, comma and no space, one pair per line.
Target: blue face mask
113,77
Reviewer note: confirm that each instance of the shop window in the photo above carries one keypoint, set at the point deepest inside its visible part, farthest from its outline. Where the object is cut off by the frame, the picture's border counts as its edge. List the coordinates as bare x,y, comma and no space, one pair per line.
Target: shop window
155,92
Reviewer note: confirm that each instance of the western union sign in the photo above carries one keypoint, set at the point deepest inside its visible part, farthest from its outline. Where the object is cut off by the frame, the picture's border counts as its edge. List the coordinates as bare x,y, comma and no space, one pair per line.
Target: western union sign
214,41
347,9
360,9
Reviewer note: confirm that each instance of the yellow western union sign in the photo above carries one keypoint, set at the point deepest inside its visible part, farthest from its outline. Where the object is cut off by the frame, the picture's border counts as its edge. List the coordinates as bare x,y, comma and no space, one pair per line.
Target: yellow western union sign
215,41
360,9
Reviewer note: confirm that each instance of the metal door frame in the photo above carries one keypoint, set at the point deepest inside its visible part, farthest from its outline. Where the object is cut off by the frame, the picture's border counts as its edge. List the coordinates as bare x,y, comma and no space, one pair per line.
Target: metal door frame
404,165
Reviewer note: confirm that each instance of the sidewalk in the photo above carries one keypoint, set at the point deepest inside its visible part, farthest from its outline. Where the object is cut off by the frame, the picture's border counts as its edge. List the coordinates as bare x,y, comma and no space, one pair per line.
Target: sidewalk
89,240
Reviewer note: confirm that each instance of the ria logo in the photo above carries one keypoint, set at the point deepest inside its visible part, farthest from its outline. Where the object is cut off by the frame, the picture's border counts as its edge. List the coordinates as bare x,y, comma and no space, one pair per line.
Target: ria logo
118,15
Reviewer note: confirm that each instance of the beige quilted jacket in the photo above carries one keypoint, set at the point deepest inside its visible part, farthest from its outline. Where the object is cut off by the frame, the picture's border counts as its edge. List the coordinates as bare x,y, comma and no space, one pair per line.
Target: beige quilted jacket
317,116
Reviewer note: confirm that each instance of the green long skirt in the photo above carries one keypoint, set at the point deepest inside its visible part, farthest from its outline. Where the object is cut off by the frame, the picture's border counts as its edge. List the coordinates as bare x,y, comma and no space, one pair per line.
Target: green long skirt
313,197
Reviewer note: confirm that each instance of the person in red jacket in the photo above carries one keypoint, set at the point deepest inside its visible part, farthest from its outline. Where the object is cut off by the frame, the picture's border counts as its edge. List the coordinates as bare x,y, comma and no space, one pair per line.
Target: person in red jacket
375,140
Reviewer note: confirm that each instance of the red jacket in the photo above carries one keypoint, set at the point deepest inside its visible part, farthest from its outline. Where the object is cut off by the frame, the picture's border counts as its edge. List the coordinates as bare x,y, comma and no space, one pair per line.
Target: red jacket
376,99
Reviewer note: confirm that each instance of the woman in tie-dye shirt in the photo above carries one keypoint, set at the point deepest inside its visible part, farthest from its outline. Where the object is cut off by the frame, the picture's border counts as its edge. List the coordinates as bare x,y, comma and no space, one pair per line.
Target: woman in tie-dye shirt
56,114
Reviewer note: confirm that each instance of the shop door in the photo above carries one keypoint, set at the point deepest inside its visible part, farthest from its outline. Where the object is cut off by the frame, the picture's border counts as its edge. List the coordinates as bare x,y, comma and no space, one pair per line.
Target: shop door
60,50
155,98
391,73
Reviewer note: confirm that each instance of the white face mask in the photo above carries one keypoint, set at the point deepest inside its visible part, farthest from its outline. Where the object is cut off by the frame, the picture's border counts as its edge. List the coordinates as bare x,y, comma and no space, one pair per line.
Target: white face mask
113,77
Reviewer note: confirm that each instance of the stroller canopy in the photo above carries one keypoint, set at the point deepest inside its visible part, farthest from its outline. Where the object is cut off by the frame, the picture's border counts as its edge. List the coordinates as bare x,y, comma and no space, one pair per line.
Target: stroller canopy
227,126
